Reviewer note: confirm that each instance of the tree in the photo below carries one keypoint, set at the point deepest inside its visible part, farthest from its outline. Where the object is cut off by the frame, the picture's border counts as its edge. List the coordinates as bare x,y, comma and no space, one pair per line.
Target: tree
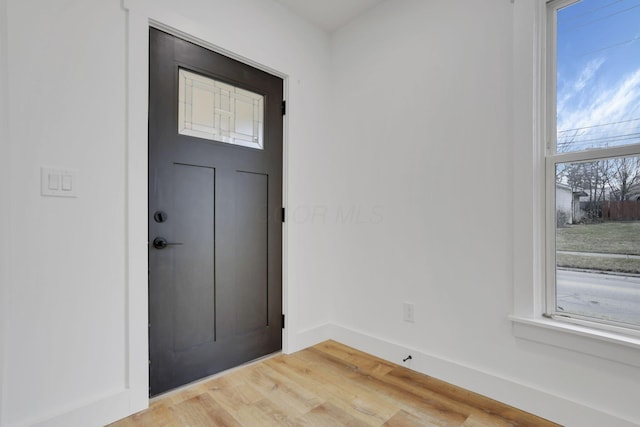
625,173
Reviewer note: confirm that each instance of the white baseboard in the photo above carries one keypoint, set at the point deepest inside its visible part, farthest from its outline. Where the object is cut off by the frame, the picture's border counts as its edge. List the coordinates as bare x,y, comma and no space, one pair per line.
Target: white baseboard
529,399
310,337
96,413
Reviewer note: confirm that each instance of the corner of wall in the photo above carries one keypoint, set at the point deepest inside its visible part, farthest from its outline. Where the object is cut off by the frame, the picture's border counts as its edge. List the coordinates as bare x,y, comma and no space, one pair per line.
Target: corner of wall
310,337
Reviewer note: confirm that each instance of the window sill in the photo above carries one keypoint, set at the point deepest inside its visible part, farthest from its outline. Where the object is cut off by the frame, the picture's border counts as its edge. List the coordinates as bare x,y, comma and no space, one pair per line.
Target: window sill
606,345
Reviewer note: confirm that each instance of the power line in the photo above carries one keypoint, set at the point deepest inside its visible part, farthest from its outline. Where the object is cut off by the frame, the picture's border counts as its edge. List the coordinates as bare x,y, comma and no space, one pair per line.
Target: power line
604,17
608,47
593,10
601,132
601,139
613,138
600,125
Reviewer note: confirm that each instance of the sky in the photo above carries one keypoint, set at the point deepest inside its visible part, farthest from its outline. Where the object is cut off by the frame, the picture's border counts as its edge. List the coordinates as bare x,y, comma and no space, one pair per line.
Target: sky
598,74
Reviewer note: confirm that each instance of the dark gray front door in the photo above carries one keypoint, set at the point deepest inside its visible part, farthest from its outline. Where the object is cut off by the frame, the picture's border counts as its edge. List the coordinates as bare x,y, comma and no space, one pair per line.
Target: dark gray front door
215,227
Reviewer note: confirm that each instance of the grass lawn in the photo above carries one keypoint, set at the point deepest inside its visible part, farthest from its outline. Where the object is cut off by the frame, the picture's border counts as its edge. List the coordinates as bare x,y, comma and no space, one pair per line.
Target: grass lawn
609,238
619,265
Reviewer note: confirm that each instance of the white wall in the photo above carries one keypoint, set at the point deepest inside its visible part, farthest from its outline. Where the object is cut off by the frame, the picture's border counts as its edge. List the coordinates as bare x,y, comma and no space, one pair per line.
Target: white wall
4,192
66,349
65,342
424,108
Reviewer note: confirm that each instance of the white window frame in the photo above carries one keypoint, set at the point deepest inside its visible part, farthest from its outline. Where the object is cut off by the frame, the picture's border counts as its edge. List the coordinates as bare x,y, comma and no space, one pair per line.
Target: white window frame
530,109
552,158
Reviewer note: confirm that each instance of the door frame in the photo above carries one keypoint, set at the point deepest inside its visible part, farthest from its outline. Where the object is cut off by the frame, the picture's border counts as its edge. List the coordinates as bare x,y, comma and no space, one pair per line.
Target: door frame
141,15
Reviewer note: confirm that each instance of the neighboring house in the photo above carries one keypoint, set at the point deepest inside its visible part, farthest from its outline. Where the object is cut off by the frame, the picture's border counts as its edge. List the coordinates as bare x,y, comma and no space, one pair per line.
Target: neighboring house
568,204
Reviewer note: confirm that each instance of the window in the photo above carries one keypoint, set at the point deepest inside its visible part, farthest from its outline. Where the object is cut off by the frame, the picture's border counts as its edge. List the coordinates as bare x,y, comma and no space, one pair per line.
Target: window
218,111
593,162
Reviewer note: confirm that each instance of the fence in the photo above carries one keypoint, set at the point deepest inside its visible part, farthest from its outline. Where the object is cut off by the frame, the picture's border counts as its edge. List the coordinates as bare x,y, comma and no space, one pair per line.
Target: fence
626,210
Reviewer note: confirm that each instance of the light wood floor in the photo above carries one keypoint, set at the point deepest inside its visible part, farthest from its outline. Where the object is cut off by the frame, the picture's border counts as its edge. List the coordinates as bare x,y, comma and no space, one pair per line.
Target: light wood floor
327,385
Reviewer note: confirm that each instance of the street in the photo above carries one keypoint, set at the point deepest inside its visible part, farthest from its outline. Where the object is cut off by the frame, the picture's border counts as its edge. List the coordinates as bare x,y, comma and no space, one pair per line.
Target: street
606,296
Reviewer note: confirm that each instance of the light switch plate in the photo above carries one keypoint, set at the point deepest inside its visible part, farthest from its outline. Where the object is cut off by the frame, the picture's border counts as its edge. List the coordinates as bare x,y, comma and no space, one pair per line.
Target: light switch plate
58,182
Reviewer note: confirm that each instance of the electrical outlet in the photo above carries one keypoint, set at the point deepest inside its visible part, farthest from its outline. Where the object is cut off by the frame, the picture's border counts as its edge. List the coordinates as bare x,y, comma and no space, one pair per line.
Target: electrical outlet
408,312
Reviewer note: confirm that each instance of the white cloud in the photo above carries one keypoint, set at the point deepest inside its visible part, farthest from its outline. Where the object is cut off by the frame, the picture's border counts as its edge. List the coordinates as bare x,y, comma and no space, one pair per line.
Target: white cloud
586,76
588,73
594,113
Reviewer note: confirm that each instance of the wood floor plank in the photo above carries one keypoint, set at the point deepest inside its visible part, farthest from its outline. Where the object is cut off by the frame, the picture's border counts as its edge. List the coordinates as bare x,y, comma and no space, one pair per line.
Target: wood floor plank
331,388
332,376
366,362
430,407
184,394
424,384
264,413
406,419
430,410
311,400
486,420
202,410
392,397
329,415
236,398
280,390
329,384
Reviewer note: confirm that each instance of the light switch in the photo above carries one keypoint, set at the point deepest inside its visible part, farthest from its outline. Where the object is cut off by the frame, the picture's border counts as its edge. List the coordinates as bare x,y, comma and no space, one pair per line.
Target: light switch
67,183
58,182
54,181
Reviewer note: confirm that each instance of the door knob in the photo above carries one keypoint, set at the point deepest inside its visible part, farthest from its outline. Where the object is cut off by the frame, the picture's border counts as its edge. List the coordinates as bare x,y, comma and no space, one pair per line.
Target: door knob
161,243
